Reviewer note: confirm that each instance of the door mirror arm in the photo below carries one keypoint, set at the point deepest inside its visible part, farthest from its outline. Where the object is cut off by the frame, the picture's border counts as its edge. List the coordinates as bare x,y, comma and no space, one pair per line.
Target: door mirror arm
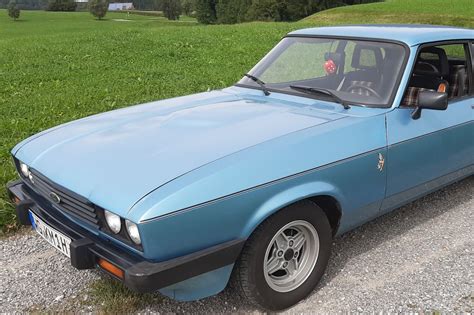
416,114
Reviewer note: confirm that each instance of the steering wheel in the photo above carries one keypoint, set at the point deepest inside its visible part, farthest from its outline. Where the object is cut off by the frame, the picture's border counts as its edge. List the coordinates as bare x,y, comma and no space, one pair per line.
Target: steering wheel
361,86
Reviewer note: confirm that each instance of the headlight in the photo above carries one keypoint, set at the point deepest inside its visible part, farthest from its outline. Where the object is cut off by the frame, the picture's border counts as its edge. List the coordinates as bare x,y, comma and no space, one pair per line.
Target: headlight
132,230
25,171
113,221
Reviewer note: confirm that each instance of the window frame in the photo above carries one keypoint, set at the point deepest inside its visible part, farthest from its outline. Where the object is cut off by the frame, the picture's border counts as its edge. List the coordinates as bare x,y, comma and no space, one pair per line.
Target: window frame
398,80
468,50
471,68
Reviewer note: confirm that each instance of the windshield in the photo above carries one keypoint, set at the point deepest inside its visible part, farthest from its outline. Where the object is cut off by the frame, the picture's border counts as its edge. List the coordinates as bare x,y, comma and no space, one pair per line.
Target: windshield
355,71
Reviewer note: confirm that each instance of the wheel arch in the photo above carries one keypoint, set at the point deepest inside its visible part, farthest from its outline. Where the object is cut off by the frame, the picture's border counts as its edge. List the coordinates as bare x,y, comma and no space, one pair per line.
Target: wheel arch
331,208
322,194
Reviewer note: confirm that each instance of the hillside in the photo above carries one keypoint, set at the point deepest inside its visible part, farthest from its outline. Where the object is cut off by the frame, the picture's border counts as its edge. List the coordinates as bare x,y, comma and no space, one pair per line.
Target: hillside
453,12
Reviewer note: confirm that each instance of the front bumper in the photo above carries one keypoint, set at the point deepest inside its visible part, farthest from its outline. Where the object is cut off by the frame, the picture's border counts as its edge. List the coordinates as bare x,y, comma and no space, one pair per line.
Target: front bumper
139,274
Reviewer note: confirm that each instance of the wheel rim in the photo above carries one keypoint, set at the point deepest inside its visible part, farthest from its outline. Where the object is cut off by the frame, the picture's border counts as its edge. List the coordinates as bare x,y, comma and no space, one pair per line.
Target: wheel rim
291,256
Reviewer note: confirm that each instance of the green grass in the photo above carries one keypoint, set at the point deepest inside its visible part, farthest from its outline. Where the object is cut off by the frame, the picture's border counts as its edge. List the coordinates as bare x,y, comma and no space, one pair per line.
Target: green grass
445,12
112,297
56,67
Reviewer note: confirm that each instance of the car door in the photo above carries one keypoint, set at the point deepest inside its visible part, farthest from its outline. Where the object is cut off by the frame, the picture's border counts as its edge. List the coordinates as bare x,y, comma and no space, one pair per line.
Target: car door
437,148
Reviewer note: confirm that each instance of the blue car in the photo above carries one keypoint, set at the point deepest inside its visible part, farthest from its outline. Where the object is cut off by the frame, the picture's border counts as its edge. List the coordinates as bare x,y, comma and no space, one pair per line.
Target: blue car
334,127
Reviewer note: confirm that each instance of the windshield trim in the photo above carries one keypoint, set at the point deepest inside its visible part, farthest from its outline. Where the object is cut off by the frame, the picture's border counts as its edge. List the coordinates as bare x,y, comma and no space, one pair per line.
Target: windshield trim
395,89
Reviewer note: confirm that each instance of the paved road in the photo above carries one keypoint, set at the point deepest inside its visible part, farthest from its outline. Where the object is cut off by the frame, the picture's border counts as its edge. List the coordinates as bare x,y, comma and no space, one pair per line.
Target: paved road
418,258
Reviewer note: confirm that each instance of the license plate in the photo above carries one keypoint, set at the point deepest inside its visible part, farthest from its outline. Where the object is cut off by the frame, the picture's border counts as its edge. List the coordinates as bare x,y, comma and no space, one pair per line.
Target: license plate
60,241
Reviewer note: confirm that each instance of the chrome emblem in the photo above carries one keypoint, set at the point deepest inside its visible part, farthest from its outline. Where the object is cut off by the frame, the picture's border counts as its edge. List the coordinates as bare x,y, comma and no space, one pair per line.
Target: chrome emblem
381,163
54,197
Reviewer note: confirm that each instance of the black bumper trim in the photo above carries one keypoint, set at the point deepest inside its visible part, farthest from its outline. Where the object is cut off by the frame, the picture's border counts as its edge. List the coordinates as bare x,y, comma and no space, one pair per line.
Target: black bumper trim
140,275
81,256
21,208
176,270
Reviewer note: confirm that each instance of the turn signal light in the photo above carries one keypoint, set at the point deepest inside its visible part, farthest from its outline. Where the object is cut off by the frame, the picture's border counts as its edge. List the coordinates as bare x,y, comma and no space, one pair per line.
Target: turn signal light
116,271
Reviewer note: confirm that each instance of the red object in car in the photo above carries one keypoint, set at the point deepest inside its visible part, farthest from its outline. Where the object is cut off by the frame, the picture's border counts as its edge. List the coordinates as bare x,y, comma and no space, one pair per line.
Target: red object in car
330,66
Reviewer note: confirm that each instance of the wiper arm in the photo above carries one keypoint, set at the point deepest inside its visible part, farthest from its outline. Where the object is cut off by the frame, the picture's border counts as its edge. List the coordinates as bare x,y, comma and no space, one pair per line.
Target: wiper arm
259,82
312,90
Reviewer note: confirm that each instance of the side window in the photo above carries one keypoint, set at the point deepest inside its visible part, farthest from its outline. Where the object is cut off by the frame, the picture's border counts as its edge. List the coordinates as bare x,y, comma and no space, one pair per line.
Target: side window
442,68
458,80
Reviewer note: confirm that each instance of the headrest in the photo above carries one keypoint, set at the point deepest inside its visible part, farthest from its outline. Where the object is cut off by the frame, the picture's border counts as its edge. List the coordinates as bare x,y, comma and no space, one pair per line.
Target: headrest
366,50
425,68
438,55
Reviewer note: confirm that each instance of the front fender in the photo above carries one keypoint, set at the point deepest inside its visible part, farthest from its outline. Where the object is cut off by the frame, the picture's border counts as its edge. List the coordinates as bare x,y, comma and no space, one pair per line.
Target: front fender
356,184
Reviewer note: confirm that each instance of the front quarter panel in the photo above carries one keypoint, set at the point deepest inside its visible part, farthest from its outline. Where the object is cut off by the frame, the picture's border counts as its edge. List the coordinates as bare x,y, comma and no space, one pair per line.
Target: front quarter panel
276,175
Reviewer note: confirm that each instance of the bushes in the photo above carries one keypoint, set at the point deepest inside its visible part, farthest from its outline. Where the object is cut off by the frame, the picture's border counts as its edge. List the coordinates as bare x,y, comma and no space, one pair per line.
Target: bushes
13,10
284,10
237,11
206,11
232,11
61,5
188,6
26,4
98,8
171,9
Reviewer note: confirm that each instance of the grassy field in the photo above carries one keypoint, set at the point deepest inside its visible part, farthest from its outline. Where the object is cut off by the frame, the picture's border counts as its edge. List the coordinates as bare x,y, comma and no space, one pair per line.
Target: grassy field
56,67
448,12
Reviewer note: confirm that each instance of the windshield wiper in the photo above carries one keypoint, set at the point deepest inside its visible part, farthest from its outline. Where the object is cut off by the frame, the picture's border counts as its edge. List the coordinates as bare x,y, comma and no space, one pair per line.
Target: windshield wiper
259,82
312,90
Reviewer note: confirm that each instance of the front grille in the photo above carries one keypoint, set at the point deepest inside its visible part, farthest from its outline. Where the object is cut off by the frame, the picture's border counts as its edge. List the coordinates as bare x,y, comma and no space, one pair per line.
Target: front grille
68,201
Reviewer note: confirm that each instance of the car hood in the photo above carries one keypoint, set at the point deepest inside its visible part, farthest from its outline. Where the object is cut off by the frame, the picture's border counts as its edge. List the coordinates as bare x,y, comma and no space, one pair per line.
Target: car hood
116,158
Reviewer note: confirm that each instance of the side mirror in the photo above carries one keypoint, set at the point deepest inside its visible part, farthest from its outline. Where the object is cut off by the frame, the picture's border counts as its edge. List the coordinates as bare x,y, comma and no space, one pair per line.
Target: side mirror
430,100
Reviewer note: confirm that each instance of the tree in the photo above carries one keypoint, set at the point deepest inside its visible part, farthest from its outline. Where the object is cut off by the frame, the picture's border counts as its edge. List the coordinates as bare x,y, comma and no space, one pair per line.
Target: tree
171,9
144,4
188,6
232,11
98,8
61,5
26,4
206,11
13,10
265,10
237,11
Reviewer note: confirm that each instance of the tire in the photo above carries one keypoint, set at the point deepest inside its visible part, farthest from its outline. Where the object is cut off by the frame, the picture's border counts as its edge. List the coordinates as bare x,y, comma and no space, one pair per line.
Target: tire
278,291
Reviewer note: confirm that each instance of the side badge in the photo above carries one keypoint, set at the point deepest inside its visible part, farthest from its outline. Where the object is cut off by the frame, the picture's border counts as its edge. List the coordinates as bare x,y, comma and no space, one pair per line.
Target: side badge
381,163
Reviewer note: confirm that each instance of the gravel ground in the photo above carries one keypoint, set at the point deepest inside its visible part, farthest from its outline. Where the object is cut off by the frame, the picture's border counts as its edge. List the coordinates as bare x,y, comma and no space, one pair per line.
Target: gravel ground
418,258
34,275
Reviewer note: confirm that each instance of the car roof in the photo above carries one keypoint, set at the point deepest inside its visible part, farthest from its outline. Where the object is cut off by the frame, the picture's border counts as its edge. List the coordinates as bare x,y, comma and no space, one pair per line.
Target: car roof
410,34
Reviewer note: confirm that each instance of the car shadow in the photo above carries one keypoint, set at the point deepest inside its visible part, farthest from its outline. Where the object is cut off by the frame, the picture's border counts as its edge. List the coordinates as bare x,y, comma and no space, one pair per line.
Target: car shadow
392,225
345,248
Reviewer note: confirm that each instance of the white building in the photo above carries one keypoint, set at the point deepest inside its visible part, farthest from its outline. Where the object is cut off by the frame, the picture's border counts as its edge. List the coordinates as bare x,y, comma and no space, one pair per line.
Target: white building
114,6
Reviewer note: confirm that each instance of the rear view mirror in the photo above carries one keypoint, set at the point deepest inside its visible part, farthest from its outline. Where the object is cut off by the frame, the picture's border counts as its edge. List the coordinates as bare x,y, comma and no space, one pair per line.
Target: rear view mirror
430,100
